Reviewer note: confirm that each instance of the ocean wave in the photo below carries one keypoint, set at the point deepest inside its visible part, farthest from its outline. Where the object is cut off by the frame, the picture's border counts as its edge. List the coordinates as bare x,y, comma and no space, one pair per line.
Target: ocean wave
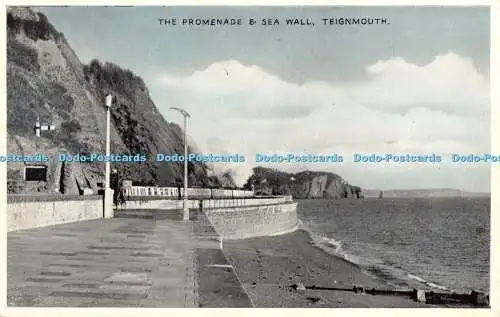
430,284
336,244
328,244
390,272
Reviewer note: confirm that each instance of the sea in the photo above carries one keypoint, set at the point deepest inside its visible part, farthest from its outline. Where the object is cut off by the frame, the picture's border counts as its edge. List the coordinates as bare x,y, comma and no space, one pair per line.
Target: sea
440,244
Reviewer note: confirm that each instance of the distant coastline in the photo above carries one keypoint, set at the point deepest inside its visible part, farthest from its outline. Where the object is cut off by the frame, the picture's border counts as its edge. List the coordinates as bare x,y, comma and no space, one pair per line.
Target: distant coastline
422,193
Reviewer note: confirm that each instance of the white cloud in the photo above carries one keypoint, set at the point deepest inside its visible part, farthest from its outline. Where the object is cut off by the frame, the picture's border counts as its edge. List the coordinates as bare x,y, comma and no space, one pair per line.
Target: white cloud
449,83
441,107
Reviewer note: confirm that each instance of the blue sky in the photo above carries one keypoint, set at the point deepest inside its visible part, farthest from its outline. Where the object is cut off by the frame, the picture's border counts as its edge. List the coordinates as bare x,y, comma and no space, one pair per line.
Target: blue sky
419,84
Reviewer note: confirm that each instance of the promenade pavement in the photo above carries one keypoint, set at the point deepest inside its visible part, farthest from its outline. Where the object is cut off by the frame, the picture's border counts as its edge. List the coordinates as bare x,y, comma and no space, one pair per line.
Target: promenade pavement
139,259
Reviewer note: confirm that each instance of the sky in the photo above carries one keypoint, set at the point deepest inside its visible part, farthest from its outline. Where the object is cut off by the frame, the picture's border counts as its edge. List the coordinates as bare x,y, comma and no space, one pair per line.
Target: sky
418,84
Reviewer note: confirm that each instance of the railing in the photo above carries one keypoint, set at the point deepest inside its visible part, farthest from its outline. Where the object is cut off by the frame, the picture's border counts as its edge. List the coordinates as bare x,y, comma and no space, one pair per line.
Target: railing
142,191
192,197
203,202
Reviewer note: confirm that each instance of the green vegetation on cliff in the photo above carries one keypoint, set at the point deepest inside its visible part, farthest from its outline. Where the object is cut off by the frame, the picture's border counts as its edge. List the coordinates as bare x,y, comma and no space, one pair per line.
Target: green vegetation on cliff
45,78
302,185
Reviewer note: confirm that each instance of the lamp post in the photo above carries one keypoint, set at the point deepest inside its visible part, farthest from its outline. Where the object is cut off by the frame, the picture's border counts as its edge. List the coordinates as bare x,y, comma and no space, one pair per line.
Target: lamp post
108,192
186,115
292,189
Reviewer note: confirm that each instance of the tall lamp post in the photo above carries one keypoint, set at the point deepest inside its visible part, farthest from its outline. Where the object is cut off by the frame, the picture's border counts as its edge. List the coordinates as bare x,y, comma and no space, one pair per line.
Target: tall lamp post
186,115
108,192
292,190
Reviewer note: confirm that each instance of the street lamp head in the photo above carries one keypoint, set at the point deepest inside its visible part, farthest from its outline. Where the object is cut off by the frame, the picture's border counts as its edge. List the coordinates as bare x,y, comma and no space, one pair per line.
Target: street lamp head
109,100
182,111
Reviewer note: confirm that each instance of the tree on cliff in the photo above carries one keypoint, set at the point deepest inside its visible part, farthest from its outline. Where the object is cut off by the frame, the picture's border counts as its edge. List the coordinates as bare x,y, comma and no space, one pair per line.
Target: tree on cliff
357,191
268,180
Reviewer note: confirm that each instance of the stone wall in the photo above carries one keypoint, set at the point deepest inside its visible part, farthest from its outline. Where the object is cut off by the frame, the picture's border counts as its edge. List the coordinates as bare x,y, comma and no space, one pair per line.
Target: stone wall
32,212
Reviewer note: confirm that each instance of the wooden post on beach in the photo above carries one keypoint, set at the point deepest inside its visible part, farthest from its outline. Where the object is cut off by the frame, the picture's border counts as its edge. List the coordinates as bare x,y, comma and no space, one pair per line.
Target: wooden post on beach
301,287
421,296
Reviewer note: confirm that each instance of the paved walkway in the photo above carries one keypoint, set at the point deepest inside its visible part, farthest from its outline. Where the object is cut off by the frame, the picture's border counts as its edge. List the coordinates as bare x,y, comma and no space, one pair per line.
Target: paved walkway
122,262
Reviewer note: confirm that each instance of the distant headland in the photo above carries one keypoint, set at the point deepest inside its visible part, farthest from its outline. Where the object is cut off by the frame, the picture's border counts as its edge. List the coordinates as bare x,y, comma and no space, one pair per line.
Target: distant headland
422,193
301,185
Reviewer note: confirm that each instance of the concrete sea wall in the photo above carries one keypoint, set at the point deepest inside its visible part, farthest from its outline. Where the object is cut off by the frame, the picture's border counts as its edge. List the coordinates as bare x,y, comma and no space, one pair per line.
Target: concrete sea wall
26,212
238,218
253,221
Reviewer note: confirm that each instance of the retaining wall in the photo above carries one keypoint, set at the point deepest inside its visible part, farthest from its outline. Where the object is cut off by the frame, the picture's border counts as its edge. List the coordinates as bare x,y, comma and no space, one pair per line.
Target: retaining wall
26,212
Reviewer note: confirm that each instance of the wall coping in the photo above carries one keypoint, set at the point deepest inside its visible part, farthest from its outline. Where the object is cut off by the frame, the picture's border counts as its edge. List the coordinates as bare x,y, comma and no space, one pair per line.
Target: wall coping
50,198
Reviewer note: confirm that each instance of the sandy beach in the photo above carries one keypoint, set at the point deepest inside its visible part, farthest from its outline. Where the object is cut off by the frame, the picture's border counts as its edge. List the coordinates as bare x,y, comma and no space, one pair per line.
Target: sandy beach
267,266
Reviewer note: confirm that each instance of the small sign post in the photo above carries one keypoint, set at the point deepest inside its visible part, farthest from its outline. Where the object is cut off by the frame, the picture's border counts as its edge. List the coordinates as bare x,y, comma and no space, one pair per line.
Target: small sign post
39,128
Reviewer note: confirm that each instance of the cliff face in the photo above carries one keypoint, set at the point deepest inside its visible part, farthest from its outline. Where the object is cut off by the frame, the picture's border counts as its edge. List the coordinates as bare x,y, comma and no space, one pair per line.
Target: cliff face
303,185
45,78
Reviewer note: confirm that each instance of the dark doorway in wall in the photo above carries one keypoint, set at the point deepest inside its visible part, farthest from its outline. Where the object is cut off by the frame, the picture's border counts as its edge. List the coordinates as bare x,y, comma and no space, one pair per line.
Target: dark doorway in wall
35,173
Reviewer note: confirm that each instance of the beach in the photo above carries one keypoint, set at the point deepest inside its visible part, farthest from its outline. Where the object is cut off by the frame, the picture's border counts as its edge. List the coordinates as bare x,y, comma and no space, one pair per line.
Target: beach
268,266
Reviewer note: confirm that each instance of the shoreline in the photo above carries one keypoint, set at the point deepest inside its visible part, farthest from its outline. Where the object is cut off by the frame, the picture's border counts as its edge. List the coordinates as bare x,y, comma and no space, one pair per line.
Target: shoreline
391,282
268,266
418,284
